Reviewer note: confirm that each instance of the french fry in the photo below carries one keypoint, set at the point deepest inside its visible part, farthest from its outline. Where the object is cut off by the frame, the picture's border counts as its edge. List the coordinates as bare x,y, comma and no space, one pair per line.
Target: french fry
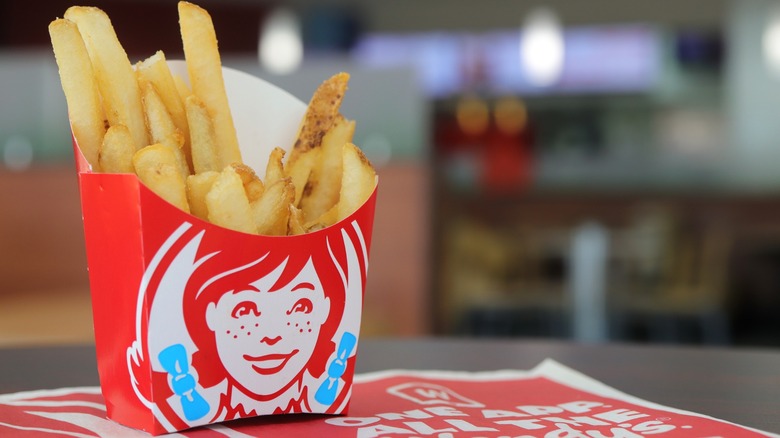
205,71
181,87
157,168
154,70
320,114
116,150
198,187
300,170
194,161
324,182
295,223
227,203
357,181
80,87
325,220
274,170
254,189
271,212
253,186
203,139
116,79
162,129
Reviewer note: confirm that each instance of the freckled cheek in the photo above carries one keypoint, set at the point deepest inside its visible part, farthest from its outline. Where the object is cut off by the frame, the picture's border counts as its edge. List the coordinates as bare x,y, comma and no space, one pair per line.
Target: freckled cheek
300,323
241,329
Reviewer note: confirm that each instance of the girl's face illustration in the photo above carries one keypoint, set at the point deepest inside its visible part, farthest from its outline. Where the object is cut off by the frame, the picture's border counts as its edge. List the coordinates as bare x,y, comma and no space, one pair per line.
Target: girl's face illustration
265,339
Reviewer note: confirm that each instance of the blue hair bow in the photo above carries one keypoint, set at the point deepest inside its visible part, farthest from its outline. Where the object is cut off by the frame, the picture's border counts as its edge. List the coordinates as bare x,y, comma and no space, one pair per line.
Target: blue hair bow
175,361
328,390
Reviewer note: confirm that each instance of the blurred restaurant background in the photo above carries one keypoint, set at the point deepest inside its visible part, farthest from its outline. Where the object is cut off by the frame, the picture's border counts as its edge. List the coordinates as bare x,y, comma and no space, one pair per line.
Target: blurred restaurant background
600,171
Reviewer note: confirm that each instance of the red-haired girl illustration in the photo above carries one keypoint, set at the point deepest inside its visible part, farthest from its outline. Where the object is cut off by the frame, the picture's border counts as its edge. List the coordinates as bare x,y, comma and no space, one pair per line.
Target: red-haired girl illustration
263,327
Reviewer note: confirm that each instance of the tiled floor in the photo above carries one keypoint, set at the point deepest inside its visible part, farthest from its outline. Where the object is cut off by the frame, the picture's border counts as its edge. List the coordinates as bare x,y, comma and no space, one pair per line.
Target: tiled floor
61,316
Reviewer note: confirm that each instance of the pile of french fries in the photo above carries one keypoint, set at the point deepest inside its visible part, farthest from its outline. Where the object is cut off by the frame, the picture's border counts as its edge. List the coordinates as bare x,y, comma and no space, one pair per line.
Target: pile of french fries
180,140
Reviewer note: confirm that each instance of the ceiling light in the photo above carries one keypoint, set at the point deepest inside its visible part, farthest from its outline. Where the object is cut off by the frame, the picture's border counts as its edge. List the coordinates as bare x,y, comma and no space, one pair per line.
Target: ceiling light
281,43
771,42
542,47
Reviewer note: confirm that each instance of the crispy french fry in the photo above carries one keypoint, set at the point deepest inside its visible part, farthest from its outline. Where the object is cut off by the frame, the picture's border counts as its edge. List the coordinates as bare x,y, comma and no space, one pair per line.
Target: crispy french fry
203,139
253,185
116,79
205,71
320,114
227,203
325,220
300,170
194,161
254,189
116,151
295,222
271,213
324,182
357,181
198,187
155,70
274,170
162,129
182,88
80,87
157,168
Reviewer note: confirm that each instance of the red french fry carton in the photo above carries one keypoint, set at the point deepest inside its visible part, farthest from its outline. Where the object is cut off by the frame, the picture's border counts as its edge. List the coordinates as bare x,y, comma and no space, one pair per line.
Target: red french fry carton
197,324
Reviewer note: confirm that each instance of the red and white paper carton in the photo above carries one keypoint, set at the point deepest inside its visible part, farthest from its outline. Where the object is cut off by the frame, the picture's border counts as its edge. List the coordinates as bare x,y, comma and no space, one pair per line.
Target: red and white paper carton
197,324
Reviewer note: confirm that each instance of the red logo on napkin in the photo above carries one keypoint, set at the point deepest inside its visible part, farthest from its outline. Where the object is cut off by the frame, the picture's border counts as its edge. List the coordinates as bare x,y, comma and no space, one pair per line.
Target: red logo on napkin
430,394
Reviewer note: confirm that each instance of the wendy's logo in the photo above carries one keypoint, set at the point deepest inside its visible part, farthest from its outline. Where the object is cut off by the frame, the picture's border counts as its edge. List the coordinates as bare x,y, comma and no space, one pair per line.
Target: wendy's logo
237,329
431,394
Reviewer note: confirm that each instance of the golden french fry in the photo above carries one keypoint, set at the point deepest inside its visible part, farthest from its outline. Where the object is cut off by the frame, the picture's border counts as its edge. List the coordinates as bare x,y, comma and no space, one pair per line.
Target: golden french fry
227,203
80,87
357,181
300,170
182,88
253,185
116,151
325,180
254,189
116,79
274,170
162,129
271,213
205,71
325,220
157,168
320,114
198,187
295,222
203,139
155,70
